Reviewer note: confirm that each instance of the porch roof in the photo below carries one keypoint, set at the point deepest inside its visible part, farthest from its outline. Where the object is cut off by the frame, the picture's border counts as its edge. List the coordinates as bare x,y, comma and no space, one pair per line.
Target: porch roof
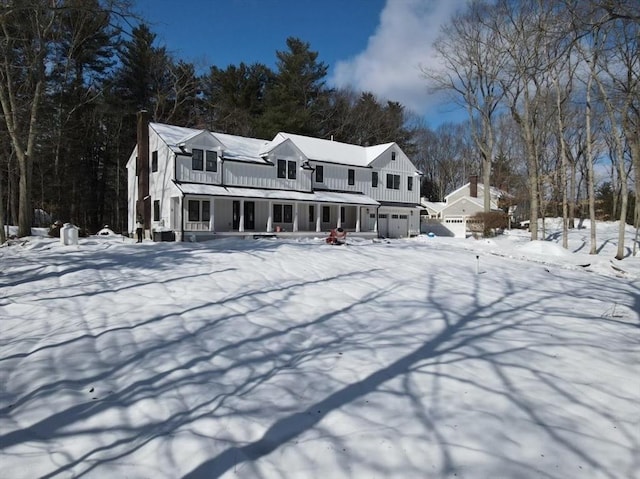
265,194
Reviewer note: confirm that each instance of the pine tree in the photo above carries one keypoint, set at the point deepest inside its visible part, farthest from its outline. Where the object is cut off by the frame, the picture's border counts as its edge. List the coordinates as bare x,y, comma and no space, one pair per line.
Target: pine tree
293,103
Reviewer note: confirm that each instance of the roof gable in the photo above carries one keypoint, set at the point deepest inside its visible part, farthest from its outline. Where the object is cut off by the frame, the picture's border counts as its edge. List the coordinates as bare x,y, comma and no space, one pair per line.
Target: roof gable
234,147
327,151
253,149
495,193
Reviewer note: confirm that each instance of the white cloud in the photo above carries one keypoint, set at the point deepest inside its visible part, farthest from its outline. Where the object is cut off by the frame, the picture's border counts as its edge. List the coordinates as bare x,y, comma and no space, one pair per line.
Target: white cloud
390,66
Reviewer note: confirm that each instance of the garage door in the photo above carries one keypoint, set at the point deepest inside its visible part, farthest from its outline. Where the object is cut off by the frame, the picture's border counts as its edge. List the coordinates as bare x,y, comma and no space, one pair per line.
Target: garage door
398,226
383,225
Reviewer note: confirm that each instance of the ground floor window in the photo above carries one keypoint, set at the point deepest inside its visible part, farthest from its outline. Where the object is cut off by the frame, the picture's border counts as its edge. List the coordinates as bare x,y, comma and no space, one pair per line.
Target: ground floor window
288,213
312,214
156,210
199,210
283,213
326,214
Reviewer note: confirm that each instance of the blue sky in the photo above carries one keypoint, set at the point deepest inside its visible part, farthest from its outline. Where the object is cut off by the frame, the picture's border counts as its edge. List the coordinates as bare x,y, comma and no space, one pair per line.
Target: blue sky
373,45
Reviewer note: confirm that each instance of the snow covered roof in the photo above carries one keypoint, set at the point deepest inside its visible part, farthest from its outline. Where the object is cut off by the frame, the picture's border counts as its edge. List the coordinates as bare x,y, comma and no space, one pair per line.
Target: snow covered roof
234,147
241,148
433,205
317,196
329,151
494,192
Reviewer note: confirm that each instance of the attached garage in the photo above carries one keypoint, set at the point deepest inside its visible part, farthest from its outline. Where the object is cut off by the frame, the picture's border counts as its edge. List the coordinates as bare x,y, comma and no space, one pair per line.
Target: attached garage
398,226
383,225
394,223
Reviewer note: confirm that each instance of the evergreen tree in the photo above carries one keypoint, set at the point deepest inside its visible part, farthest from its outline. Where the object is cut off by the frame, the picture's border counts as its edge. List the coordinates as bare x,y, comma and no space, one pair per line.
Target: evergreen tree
293,102
233,98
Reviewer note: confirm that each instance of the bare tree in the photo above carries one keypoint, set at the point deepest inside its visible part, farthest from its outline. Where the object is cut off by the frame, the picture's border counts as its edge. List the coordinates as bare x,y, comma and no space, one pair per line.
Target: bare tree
616,75
563,68
471,73
524,38
28,30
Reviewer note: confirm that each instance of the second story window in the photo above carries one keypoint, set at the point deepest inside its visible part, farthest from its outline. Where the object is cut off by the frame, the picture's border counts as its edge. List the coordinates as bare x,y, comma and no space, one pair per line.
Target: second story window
197,160
154,161
291,170
410,183
212,161
374,179
282,169
393,156
319,174
351,175
393,181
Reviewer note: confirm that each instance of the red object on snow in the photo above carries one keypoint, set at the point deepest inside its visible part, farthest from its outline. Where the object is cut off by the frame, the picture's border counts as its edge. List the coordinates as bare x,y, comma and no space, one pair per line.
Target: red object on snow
337,236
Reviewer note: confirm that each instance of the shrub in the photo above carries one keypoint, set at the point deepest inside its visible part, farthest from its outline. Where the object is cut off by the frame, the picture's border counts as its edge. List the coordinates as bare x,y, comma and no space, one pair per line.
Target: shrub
493,222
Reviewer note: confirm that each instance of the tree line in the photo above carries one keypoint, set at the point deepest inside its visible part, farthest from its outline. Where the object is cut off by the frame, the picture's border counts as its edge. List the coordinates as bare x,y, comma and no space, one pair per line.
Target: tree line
551,91
73,76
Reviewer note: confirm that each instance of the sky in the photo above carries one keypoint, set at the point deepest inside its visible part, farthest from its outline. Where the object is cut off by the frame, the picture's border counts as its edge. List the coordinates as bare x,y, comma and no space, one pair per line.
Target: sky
380,46
280,358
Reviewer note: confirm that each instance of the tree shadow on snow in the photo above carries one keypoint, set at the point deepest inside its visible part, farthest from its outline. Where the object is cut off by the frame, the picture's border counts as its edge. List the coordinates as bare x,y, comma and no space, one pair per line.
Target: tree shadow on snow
491,341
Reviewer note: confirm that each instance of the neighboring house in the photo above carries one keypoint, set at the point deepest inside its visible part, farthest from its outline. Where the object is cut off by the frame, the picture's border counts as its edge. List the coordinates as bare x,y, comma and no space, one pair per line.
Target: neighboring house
196,185
458,207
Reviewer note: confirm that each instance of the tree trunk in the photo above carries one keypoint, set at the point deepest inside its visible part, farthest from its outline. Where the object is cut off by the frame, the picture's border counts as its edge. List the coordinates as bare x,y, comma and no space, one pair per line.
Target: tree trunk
590,179
573,197
25,212
563,168
635,154
3,237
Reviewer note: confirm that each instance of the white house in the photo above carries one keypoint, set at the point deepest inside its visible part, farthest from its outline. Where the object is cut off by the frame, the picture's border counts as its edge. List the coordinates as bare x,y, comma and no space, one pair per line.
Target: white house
191,184
458,207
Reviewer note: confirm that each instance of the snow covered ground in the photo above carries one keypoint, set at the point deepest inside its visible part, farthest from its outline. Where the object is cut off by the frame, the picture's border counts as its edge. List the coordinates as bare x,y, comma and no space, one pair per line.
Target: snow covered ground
420,358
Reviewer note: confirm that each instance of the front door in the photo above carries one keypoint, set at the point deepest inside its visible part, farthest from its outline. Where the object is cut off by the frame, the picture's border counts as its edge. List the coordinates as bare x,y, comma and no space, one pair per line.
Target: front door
249,215
236,216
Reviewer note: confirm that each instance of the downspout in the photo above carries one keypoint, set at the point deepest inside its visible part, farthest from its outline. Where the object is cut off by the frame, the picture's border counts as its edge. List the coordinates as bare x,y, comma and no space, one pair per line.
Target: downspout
175,175
182,218
221,168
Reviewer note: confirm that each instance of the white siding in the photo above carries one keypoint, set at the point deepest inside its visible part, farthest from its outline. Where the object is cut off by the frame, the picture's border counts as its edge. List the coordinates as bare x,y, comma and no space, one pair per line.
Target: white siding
184,171
401,166
462,207
132,192
265,176
460,193
336,177
161,187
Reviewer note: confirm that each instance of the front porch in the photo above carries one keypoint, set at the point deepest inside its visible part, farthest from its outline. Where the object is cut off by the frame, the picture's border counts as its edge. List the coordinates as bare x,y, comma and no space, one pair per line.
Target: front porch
208,236
214,217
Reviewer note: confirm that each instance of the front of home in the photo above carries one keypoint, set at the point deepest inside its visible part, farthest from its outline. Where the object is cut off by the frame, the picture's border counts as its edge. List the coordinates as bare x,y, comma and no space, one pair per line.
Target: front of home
453,216
195,185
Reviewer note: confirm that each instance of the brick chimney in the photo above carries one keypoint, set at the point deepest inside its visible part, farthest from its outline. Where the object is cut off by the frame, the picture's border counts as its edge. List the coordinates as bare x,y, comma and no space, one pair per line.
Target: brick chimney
143,206
473,186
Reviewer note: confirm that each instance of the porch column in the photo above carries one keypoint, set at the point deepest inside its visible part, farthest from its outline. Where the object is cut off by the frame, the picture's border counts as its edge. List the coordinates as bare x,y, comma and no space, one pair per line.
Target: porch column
270,218
241,225
212,209
339,222
318,217
358,213
375,223
295,217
